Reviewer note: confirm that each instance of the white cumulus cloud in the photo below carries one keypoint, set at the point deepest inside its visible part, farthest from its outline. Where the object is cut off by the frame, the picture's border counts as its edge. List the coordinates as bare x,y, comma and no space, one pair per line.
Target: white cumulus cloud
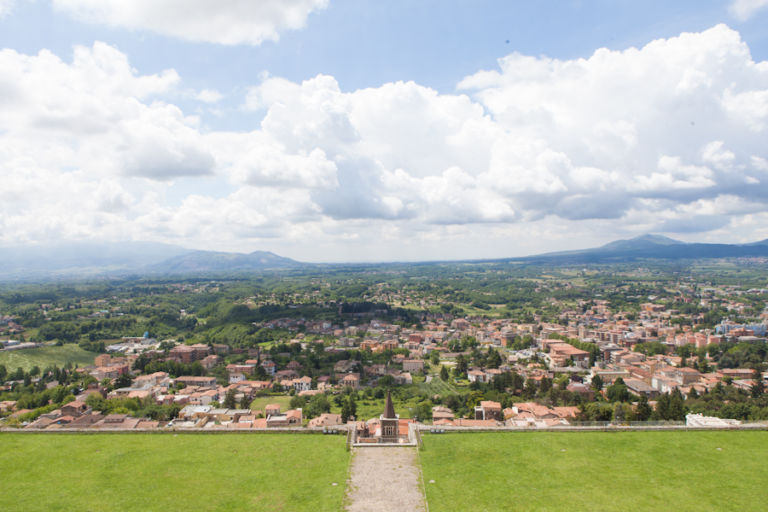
6,6
745,9
669,136
228,22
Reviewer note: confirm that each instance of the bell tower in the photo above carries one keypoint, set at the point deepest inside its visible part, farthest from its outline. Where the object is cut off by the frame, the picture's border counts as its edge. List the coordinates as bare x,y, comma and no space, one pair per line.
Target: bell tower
389,422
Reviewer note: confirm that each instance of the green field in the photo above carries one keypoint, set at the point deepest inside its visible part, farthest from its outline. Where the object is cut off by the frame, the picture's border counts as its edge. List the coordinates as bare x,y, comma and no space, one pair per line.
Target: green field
164,472
46,356
368,408
595,471
261,402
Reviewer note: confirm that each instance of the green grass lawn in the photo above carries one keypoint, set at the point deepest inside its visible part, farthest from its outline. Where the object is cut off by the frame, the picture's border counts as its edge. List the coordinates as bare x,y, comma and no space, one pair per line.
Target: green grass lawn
261,402
46,356
594,471
164,472
368,408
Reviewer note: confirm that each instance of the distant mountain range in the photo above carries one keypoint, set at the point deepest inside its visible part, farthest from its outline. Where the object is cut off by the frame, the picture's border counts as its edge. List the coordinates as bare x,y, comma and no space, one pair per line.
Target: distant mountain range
88,259
651,247
209,261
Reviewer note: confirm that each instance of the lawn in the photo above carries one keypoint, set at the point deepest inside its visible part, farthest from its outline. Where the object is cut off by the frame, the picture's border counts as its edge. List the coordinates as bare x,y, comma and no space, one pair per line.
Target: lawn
595,471
148,472
46,356
261,402
368,408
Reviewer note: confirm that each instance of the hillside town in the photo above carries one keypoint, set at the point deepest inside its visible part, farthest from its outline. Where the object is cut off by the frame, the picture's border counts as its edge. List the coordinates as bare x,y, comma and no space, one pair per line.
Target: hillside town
596,363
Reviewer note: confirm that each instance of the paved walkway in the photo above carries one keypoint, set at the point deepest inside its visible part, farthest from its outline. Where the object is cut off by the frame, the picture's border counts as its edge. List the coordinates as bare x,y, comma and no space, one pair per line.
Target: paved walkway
385,479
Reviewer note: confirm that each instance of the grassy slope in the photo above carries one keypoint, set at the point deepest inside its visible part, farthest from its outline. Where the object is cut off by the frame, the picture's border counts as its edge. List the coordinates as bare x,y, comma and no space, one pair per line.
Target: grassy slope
46,356
681,471
147,472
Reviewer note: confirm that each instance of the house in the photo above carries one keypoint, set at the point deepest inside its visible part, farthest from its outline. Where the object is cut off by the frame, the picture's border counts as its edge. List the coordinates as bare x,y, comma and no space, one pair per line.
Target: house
188,353
566,412
291,418
153,379
344,366
582,389
269,367
286,375
302,384
86,420
477,376
402,378
325,420
235,377
203,397
488,410
109,372
194,412
533,410
203,382
116,421
209,362
351,380
74,409
413,365
561,353
639,388
441,413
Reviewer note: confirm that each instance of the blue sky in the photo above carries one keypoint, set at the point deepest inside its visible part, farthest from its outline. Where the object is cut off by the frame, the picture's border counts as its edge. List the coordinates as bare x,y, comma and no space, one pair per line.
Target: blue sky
337,130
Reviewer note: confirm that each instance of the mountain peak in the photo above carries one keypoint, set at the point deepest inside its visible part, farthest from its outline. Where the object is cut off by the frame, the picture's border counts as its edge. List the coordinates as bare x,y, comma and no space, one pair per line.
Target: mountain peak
658,239
641,242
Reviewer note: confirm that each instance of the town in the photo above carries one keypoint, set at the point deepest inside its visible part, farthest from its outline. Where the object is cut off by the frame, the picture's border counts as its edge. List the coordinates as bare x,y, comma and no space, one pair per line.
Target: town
641,347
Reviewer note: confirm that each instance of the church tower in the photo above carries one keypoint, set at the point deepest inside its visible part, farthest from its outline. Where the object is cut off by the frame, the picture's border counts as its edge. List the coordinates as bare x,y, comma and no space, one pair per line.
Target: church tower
389,422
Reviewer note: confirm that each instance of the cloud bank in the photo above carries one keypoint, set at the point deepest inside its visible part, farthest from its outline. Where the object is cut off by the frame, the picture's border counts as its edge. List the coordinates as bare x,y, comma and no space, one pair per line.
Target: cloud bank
228,22
745,9
668,137
6,6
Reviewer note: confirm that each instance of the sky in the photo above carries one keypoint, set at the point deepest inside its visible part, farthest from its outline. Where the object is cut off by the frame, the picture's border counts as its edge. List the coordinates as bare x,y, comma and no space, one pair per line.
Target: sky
356,130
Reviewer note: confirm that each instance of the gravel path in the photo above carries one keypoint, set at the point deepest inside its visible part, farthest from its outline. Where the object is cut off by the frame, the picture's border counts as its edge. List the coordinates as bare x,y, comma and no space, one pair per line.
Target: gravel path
384,479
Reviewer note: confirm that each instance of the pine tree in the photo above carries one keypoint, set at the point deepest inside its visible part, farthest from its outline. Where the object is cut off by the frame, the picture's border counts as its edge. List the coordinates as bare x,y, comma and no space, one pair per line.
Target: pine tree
345,414
758,388
643,411
662,407
676,406
229,399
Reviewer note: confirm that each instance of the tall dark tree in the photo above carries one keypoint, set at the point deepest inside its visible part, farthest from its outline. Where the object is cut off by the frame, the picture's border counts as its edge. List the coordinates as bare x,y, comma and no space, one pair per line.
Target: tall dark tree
758,388
494,359
229,400
345,413
676,406
461,365
352,405
618,391
662,407
643,410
